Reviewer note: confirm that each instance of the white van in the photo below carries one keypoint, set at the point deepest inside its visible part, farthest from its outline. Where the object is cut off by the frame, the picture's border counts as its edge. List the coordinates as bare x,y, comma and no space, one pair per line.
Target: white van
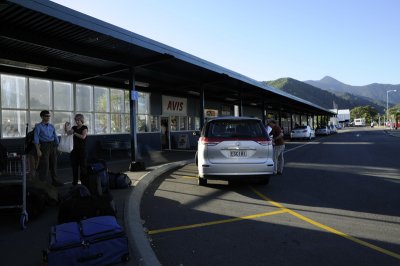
359,122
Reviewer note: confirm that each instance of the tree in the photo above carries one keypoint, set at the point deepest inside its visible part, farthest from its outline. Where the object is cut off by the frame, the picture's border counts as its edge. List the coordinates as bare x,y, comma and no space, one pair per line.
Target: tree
394,112
367,112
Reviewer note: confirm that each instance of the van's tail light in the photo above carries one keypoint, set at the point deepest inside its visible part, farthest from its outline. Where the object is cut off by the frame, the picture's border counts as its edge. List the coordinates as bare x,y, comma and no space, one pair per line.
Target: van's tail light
216,141
262,141
210,141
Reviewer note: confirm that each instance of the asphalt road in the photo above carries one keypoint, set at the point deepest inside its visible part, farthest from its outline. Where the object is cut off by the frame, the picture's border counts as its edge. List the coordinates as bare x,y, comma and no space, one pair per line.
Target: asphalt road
337,203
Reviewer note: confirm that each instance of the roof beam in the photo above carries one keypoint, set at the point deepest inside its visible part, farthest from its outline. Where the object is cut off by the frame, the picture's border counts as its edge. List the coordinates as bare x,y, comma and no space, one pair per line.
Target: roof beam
54,42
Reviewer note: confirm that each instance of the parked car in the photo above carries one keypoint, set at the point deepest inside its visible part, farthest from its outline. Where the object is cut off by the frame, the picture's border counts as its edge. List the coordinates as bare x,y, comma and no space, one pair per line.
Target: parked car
302,132
323,130
230,148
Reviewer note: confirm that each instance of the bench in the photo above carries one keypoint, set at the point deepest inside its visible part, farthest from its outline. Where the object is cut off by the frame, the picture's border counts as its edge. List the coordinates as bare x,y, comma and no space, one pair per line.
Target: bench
115,145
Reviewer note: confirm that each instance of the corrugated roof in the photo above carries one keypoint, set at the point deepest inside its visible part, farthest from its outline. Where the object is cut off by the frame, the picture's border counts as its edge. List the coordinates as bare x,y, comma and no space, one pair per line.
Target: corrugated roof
79,48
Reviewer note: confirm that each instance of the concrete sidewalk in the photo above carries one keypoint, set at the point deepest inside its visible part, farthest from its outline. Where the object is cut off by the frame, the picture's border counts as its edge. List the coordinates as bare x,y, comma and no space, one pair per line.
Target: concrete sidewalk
24,247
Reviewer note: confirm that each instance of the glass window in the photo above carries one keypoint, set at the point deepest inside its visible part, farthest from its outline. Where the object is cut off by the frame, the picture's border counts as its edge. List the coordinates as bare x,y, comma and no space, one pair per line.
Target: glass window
83,98
106,110
116,123
63,96
59,119
174,123
127,123
155,123
13,123
40,94
117,101
127,101
101,99
13,92
182,123
88,122
143,103
35,118
102,122
194,123
141,123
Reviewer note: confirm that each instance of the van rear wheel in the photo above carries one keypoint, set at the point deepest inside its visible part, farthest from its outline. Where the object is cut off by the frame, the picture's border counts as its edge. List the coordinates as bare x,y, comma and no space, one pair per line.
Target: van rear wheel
265,180
201,181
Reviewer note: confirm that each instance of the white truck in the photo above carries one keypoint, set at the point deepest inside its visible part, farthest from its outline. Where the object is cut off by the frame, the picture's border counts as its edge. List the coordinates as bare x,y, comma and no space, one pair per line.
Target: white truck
359,122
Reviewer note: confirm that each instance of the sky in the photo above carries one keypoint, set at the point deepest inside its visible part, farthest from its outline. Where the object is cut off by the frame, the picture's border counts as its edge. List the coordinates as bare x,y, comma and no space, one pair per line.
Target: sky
354,41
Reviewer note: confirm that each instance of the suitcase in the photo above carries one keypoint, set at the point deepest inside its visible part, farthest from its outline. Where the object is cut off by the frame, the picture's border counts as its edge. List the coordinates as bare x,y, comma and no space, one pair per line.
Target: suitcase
97,178
119,180
95,241
78,205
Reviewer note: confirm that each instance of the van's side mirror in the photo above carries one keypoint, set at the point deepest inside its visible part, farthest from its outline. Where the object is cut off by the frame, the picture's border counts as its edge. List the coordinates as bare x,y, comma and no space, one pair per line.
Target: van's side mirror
196,133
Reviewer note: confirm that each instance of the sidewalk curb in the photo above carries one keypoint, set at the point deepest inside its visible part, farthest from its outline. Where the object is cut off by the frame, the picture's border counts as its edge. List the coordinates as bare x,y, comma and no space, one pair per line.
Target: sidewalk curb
140,245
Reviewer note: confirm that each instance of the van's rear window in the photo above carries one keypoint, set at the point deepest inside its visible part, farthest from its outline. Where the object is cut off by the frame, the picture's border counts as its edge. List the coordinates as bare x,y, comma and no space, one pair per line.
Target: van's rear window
235,129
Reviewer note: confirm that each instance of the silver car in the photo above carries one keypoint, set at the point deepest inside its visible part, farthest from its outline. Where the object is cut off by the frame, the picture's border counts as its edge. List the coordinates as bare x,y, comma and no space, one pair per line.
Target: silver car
231,148
302,132
324,130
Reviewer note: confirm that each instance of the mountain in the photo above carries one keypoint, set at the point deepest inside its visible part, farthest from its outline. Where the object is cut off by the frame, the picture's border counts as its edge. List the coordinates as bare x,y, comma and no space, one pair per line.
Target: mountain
321,97
376,92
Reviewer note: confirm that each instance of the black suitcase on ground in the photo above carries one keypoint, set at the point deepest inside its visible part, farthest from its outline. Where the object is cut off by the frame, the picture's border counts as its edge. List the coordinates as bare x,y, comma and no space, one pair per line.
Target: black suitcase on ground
94,241
78,205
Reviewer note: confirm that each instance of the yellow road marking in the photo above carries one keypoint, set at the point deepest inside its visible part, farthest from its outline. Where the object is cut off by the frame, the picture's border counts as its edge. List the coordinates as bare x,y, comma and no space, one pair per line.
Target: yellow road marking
248,217
188,177
327,228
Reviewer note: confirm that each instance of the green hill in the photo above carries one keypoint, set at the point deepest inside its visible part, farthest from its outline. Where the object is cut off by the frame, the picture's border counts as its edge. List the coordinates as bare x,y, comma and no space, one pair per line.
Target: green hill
321,97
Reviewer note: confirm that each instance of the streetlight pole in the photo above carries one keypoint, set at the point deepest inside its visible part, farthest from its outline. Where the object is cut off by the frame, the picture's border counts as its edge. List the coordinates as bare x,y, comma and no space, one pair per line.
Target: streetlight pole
387,105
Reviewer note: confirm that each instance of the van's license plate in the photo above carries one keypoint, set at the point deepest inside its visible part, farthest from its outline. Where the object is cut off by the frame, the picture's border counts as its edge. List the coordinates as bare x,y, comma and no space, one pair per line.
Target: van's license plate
238,153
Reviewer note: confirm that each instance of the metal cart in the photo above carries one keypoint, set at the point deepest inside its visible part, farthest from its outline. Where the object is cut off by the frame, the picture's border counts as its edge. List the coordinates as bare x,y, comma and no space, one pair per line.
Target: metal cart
15,174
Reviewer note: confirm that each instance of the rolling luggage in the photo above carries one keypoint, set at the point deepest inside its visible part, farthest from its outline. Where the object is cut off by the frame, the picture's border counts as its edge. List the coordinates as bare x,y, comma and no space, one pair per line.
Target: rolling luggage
98,180
79,204
119,180
95,241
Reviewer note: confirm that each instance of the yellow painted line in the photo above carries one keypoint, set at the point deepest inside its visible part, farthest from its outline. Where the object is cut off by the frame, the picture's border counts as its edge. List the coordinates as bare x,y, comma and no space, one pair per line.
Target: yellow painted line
188,177
254,216
327,228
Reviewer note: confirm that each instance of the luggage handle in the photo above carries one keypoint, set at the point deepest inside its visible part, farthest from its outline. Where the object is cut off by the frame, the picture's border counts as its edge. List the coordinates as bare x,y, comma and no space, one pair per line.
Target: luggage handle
92,257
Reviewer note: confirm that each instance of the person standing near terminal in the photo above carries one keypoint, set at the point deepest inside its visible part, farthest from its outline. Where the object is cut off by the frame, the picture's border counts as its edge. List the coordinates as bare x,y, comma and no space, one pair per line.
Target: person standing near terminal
79,152
279,146
46,142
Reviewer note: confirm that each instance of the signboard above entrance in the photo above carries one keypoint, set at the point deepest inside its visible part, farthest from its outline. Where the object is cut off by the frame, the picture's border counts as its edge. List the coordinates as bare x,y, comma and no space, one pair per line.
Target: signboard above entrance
174,106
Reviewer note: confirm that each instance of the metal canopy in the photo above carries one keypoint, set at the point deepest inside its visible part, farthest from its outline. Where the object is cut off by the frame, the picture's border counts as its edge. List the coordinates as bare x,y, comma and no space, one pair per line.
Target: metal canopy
78,48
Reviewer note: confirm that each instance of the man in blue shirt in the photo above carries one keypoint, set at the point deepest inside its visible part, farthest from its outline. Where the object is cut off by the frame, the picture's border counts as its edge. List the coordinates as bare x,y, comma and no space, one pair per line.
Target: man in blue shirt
46,142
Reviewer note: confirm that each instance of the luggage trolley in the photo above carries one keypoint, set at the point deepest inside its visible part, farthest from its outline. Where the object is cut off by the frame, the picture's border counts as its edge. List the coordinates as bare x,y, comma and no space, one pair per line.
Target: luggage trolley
15,174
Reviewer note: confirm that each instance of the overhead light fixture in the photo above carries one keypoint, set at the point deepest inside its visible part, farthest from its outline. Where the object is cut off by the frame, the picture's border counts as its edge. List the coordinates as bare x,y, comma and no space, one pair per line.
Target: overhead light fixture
194,93
139,84
229,99
22,65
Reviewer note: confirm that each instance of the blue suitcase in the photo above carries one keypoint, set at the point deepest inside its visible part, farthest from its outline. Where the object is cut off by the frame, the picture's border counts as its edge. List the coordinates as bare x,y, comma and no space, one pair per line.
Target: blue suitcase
94,241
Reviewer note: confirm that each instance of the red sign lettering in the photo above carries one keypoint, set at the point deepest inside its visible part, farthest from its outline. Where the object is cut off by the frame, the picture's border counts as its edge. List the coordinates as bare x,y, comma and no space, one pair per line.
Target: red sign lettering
175,106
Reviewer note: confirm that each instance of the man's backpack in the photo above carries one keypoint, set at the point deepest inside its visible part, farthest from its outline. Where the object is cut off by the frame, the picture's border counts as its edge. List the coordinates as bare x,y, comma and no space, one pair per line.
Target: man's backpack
29,141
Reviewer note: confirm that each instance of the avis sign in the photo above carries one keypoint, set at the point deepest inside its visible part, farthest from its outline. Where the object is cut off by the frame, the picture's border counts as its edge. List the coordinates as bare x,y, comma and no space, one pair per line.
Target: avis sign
174,106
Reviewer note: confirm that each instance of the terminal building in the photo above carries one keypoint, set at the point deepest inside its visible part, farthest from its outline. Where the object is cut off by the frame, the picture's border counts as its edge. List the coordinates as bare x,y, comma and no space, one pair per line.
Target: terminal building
136,94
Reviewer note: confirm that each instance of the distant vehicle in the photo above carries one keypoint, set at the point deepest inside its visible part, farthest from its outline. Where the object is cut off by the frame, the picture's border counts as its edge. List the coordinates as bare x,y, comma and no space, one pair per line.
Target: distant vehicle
232,148
324,130
333,129
359,122
302,132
